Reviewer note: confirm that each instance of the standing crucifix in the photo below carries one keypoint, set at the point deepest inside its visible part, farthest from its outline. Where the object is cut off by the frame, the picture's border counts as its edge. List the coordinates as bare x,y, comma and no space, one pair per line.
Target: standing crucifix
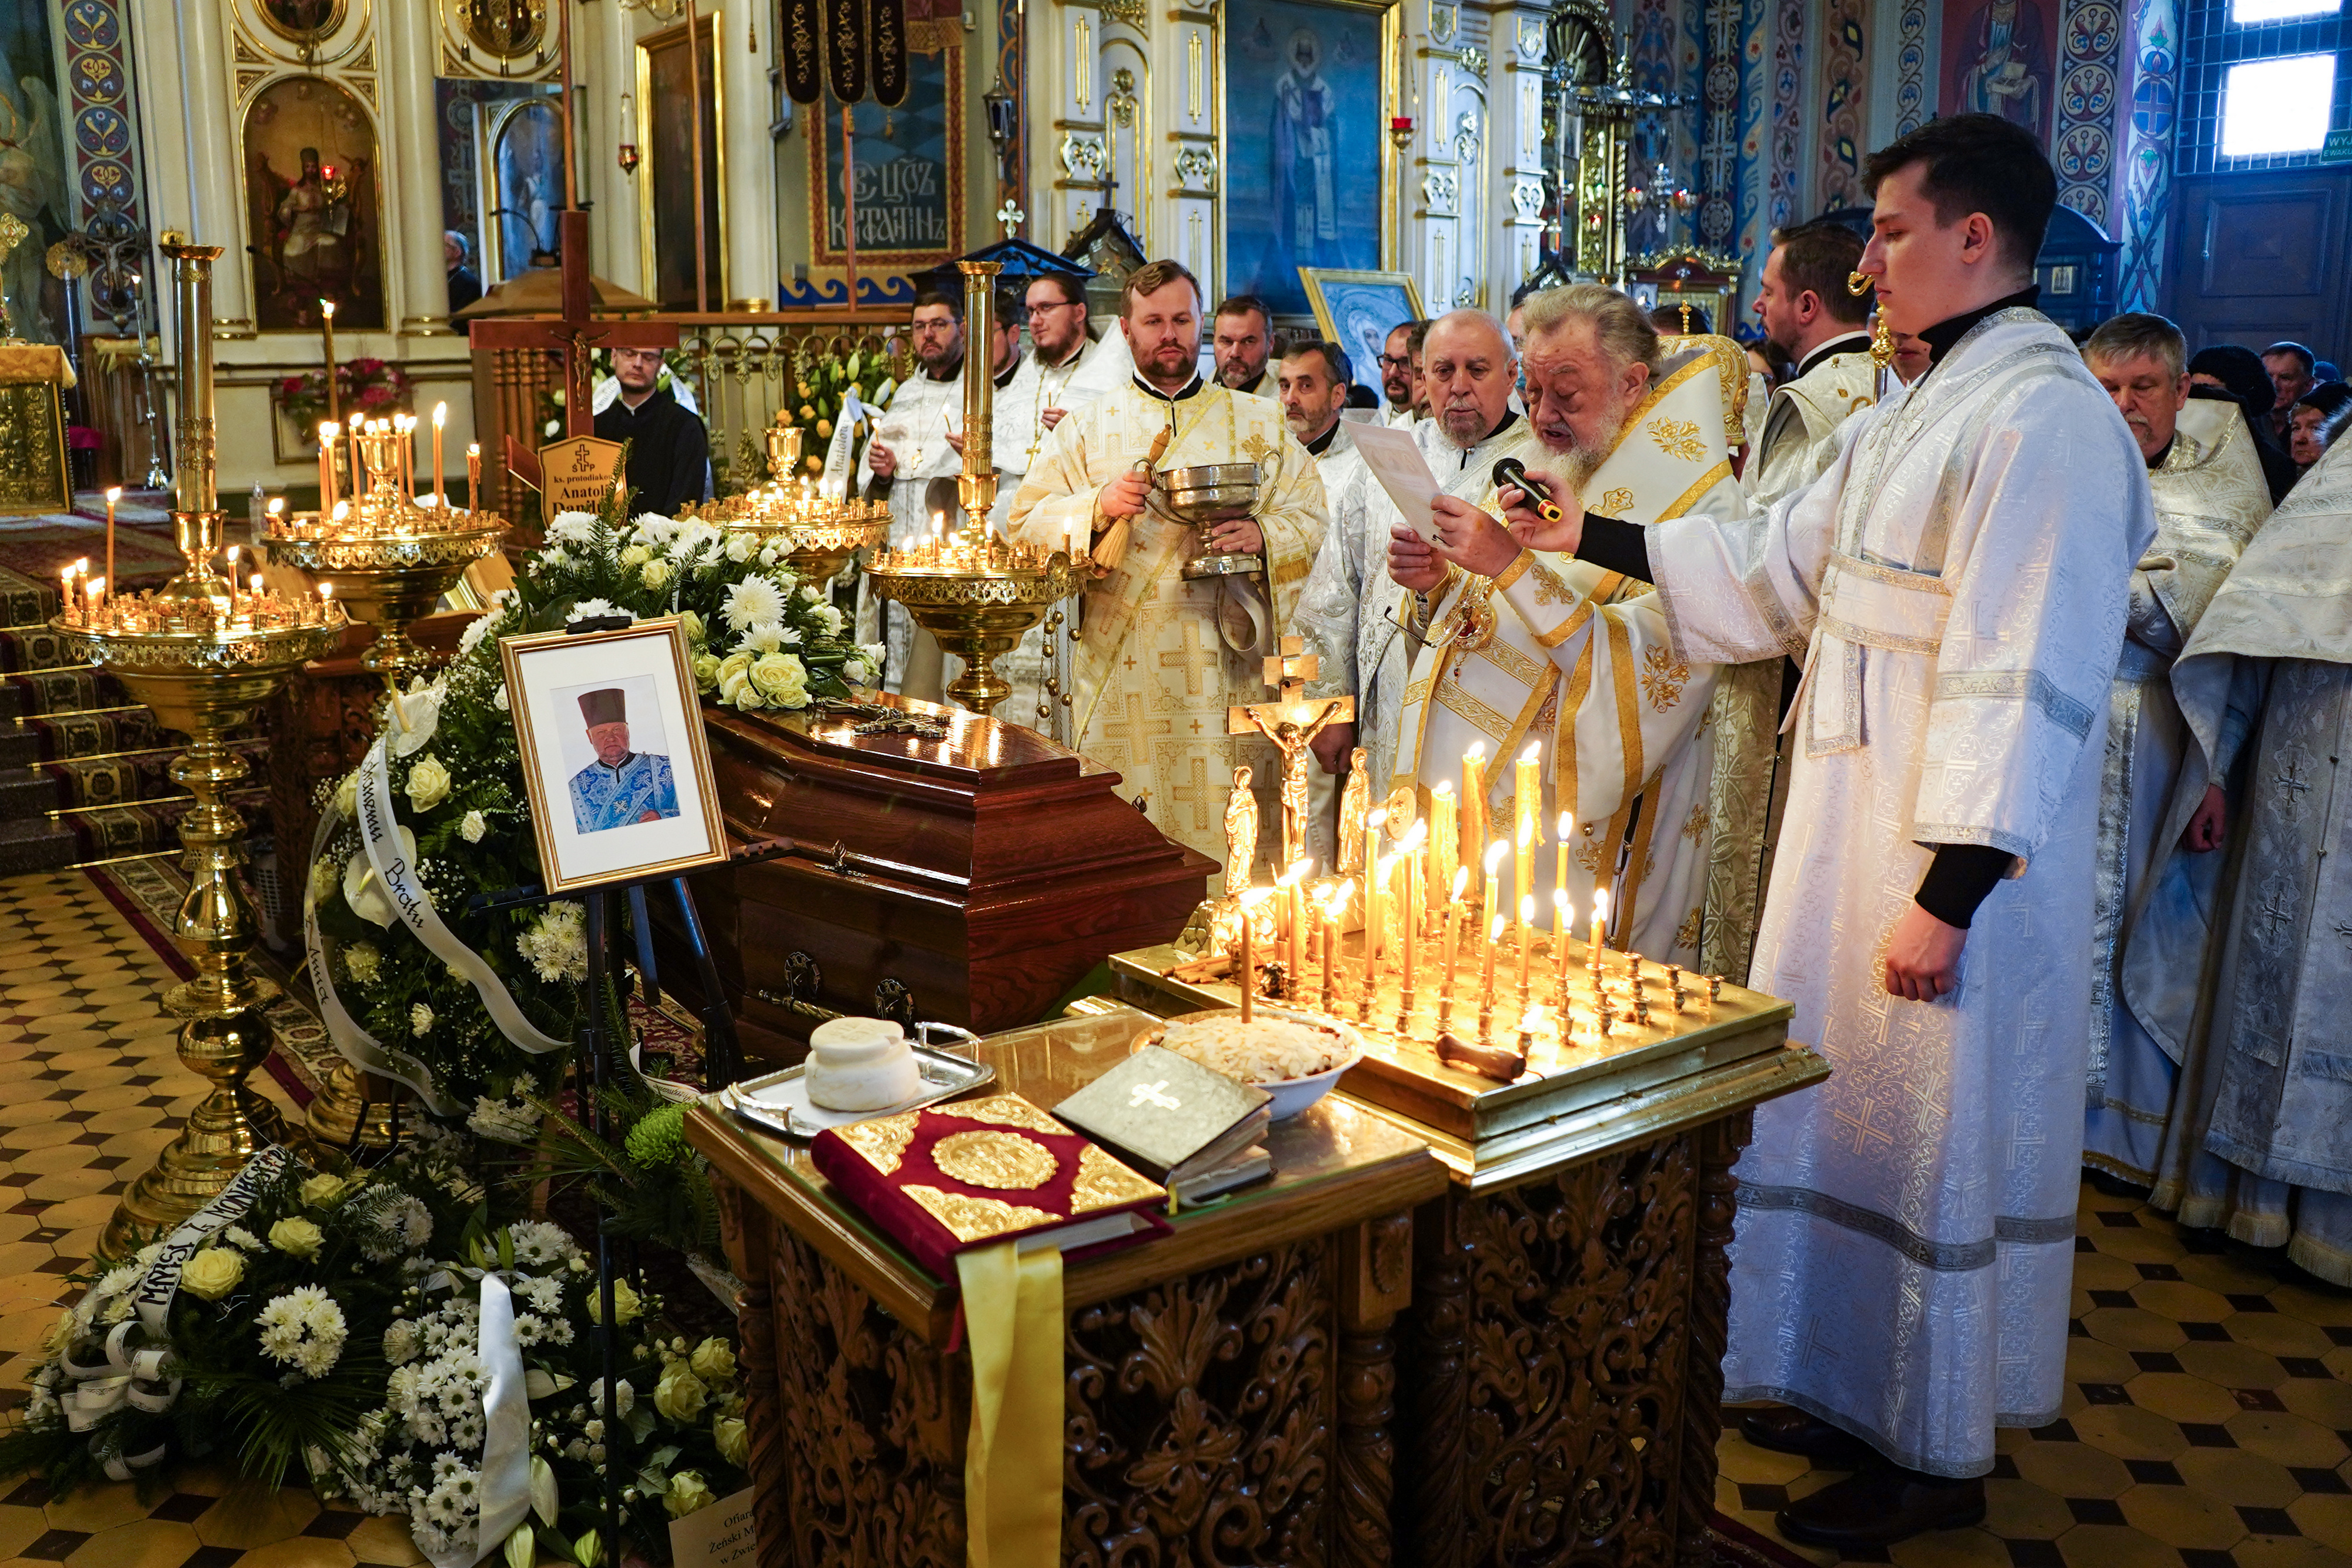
1291,721
576,333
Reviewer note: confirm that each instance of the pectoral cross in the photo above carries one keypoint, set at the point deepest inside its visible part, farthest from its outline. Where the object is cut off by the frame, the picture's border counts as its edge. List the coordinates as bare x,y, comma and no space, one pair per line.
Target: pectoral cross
1144,1094
1291,721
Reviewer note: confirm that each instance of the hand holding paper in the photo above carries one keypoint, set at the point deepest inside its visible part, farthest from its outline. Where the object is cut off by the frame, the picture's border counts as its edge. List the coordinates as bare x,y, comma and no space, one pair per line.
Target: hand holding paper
1395,460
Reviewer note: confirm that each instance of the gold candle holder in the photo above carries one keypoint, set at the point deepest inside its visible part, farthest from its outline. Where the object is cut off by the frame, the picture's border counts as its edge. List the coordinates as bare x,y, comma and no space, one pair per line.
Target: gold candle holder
820,537
977,595
204,656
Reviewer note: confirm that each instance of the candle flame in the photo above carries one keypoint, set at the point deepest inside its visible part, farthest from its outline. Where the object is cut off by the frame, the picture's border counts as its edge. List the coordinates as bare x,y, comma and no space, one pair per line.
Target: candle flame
329,430
276,506
440,414
1495,931
256,580
1478,752
1600,904
1256,896
341,508
1443,787
1527,908
1494,853
1567,825
326,592
1412,837
1295,874
1377,820
328,306
82,566
96,586
113,494
1461,881
1566,911
473,449
1533,752
1337,900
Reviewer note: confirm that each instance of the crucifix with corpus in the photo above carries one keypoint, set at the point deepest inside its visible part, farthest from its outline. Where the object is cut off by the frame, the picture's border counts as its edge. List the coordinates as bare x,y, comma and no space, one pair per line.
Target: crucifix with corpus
1292,721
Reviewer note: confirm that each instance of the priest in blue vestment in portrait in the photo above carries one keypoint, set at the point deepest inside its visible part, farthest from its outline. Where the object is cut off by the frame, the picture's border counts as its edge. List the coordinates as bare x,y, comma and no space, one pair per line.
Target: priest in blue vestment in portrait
620,785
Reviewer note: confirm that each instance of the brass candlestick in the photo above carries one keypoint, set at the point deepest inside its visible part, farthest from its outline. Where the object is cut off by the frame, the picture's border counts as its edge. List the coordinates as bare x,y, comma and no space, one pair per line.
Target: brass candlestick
977,597
204,657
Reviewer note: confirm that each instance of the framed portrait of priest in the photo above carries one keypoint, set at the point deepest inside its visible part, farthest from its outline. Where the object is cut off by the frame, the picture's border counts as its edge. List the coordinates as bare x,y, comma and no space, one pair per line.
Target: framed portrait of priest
615,765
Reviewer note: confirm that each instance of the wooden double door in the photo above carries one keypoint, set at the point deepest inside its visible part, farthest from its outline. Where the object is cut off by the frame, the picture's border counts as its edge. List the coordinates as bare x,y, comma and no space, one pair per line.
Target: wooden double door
2259,258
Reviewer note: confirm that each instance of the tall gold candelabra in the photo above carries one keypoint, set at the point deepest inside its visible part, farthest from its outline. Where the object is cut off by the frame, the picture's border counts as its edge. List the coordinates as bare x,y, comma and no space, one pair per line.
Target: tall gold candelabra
204,655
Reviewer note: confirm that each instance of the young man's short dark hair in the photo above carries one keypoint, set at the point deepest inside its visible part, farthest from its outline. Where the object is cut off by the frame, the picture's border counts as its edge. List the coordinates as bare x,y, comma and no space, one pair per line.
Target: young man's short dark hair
954,302
1819,257
1335,358
1978,163
1011,308
1416,333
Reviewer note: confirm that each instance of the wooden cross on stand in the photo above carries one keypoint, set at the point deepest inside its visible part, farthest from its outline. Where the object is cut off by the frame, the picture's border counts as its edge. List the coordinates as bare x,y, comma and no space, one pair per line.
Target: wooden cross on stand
576,333
1291,721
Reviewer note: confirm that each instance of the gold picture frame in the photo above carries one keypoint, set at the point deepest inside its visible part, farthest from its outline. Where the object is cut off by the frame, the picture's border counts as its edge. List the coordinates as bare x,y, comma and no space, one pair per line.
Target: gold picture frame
650,231
309,22
1350,307
549,676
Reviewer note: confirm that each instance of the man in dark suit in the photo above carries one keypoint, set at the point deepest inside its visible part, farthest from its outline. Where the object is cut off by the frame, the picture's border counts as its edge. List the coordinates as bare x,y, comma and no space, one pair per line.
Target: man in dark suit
669,450
465,283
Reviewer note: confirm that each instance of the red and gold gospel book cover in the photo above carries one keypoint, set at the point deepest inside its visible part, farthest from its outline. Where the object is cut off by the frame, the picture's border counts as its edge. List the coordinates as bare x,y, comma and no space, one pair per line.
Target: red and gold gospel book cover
954,1176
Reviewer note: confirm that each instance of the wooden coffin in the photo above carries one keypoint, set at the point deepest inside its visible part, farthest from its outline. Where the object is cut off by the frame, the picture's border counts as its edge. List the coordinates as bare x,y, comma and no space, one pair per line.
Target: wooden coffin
973,879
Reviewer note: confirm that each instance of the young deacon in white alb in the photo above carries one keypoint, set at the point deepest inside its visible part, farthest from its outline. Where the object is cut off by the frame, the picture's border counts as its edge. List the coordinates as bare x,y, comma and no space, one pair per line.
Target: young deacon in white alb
1956,585
909,449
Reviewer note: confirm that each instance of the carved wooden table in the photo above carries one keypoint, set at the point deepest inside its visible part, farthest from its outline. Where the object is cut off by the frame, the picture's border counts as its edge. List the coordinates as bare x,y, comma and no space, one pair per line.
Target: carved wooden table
1230,1390
1561,1363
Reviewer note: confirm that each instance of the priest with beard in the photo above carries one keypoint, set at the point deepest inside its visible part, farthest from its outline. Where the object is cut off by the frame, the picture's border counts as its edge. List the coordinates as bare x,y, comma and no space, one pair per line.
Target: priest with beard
1807,309
1162,657
911,449
2210,498
1516,649
1958,584
2235,961
1353,612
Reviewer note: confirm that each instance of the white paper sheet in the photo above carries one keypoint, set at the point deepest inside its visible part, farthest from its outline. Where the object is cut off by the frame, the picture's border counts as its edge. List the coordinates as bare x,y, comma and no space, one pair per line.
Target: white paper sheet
1395,460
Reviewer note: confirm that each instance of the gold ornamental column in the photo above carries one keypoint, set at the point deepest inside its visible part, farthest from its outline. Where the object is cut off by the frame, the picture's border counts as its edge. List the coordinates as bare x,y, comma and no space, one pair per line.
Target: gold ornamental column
976,488
204,655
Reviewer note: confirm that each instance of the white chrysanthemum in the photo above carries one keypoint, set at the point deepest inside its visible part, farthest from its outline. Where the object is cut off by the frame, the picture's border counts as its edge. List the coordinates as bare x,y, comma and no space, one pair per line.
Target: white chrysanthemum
538,1243
420,1019
402,1225
590,609
238,1237
504,1121
303,1329
572,528
557,943
752,601
765,638
482,626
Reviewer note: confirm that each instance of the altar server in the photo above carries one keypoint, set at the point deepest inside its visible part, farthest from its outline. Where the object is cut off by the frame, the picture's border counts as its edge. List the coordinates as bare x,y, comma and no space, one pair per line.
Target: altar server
1957,583
2210,497
1513,649
1163,656
2259,1142
909,449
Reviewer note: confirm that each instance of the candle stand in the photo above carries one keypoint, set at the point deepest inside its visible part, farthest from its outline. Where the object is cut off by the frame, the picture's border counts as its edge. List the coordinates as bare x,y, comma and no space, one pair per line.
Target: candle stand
204,655
820,537
977,595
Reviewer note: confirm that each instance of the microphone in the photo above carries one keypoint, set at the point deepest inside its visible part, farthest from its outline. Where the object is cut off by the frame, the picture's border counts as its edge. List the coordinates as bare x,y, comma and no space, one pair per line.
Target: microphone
1512,472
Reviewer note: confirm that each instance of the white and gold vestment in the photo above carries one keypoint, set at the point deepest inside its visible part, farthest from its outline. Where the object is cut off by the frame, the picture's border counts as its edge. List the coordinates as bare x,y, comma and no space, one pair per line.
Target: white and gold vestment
1161,658
2210,498
1580,659
1799,438
1956,585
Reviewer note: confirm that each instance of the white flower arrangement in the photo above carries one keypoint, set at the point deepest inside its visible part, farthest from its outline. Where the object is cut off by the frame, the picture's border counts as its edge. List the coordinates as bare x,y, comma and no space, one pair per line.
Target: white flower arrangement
303,1329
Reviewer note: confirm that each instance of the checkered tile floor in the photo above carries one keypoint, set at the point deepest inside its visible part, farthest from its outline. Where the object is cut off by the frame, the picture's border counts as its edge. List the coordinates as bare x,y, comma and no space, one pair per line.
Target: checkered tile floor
2207,1424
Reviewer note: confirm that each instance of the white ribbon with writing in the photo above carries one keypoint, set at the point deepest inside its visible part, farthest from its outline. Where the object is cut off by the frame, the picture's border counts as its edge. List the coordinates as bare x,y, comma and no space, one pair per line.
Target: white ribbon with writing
379,834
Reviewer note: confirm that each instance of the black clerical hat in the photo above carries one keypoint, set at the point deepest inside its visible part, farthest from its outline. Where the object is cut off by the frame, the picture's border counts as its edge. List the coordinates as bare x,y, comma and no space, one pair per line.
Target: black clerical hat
610,706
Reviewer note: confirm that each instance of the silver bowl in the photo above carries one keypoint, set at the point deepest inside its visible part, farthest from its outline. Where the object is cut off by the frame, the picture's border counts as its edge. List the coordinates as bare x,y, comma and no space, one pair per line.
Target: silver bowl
1210,492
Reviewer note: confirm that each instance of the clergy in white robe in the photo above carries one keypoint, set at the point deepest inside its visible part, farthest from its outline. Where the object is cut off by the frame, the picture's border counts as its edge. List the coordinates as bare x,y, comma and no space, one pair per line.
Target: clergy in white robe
2235,960
1524,647
1162,657
1065,369
909,449
1352,611
1957,583
2210,497
1805,307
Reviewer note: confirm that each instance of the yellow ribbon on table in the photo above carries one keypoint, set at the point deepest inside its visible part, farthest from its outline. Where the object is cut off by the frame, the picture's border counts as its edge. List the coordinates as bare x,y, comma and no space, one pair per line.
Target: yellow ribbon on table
1012,1462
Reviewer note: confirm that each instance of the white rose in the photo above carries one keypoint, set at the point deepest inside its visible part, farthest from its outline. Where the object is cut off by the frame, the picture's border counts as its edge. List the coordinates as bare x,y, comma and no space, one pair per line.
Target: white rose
500,701
739,548
296,1238
212,1273
656,574
474,825
429,782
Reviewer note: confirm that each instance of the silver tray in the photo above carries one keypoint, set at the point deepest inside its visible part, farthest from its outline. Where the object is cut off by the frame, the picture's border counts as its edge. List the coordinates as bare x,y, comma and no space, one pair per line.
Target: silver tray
778,1103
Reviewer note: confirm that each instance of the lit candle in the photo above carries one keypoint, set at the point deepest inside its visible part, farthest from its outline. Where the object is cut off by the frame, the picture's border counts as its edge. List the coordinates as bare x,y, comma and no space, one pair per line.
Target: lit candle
1494,864
1332,908
1527,802
328,432
1452,942
473,476
65,600
1474,804
334,392
1486,976
231,579
277,512
1527,920
1599,927
1444,848
1248,975
1563,916
359,486
254,582
96,589
326,600
1294,916
440,485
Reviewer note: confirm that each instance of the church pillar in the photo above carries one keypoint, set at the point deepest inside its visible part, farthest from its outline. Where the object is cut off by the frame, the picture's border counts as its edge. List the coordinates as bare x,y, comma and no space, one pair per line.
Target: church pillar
1515,140
193,70
419,284
605,56
747,159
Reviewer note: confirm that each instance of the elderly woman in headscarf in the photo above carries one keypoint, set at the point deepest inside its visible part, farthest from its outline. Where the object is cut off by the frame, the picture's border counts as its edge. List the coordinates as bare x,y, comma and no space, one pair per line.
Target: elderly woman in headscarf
2237,373
2315,420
